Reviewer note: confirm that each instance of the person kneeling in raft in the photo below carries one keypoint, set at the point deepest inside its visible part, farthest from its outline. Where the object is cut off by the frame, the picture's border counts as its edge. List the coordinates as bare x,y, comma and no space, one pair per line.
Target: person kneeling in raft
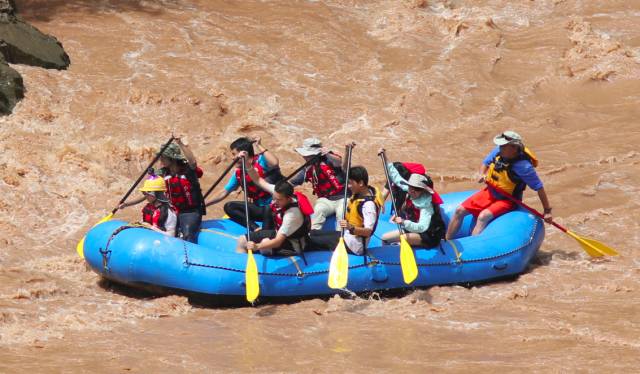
288,232
511,168
420,213
158,215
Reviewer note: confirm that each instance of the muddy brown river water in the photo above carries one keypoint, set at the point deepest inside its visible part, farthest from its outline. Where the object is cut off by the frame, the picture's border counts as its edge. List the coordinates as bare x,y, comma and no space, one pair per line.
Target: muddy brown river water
433,81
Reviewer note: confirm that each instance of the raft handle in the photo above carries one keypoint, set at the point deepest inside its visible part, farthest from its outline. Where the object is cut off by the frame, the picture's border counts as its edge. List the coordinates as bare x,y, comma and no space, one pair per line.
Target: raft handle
500,265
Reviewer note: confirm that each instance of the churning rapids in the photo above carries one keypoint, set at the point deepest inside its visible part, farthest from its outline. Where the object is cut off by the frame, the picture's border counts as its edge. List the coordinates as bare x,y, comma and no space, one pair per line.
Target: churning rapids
433,80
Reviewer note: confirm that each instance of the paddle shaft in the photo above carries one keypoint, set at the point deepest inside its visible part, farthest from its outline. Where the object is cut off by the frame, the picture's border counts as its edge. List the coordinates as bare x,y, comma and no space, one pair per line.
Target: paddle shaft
246,199
311,161
383,156
224,174
522,204
346,178
155,159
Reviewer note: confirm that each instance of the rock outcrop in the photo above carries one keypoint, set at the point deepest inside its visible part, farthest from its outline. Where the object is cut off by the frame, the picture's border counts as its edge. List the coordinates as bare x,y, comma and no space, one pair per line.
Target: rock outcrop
11,87
21,43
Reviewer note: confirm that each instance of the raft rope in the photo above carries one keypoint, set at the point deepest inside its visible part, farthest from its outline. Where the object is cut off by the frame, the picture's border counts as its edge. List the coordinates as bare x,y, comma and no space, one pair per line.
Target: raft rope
455,249
295,263
106,252
457,261
301,273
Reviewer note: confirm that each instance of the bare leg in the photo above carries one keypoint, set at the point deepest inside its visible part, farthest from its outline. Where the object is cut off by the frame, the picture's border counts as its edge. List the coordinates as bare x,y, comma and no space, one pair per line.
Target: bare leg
454,225
483,220
391,237
241,246
414,239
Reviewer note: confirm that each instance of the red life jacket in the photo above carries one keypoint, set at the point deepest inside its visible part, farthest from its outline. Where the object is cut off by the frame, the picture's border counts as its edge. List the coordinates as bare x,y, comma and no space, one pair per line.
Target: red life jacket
301,202
156,216
324,180
253,191
184,192
410,211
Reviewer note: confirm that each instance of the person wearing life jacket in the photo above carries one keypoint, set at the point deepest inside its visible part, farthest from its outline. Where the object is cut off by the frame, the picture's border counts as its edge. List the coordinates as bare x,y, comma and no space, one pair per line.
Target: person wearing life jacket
360,219
157,214
181,174
420,215
510,167
290,219
404,169
326,177
267,166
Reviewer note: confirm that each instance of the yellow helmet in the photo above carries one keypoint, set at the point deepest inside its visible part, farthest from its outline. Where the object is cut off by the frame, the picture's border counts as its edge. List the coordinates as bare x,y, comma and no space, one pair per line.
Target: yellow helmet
152,185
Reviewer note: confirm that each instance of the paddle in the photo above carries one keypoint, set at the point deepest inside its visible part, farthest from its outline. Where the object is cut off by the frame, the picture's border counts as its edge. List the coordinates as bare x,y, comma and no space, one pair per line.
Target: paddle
251,272
224,174
80,246
311,161
593,247
339,265
407,259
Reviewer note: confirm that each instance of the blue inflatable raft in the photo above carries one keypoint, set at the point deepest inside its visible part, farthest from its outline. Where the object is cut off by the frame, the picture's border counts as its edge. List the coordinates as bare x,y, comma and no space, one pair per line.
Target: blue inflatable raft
143,258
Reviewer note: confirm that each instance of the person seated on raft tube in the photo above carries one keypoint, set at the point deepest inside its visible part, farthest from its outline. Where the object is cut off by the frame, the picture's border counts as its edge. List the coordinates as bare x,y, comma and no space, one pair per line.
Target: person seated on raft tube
267,166
404,169
158,214
420,215
361,217
181,173
510,167
327,180
287,232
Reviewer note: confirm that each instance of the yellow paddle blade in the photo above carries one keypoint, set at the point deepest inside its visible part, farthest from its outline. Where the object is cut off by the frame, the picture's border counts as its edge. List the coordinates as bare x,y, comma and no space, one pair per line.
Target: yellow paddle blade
593,247
339,267
80,245
600,246
105,219
251,278
407,261
80,248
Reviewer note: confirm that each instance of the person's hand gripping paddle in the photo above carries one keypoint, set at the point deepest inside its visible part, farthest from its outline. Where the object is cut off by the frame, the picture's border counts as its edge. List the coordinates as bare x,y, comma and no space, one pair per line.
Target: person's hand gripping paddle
251,272
407,258
339,265
593,247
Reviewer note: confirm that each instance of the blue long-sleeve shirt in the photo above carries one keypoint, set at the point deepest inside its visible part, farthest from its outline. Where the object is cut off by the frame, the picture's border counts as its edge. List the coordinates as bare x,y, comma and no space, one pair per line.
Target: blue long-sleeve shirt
522,168
423,203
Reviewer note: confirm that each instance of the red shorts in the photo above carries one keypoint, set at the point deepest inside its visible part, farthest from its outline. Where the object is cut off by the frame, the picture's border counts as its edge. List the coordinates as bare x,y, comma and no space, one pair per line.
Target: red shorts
482,200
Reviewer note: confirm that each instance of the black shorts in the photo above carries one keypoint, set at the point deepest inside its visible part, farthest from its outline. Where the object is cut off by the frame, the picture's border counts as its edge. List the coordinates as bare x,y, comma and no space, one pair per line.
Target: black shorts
428,241
286,249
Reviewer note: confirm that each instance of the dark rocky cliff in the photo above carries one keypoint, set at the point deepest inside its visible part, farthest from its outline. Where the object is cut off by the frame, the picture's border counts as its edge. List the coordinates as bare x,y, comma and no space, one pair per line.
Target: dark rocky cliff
21,43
